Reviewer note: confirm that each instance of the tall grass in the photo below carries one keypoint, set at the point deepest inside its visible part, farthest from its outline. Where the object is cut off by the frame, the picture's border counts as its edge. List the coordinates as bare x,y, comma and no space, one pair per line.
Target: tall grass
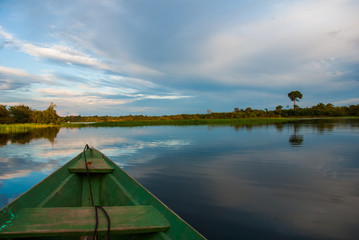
22,127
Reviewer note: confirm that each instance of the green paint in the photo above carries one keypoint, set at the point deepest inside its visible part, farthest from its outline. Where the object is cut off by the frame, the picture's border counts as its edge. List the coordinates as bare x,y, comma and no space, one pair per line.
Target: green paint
95,165
9,222
40,222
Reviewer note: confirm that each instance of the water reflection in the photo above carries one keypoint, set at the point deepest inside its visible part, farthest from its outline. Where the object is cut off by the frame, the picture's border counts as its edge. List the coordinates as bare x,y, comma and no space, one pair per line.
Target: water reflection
320,125
20,167
229,182
328,125
26,137
296,140
37,157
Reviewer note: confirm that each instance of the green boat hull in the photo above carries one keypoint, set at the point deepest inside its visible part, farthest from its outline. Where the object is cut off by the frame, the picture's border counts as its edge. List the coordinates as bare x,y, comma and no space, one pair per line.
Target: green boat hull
60,206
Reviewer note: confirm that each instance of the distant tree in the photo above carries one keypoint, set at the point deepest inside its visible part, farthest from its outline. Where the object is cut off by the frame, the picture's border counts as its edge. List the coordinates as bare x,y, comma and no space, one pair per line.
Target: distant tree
37,117
4,115
320,106
295,96
236,109
47,116
353,110
209,111
329,106
50,115
21,113
278,109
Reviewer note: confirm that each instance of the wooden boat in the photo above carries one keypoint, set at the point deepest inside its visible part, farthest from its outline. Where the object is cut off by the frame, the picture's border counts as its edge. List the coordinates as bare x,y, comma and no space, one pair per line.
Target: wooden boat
61,206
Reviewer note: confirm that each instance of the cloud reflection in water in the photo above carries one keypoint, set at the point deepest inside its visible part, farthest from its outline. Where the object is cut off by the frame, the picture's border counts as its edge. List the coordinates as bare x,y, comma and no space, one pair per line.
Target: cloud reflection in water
226,180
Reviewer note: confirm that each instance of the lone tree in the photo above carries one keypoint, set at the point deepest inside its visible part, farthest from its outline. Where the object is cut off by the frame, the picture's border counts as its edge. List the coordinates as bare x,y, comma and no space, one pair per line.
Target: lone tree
295,96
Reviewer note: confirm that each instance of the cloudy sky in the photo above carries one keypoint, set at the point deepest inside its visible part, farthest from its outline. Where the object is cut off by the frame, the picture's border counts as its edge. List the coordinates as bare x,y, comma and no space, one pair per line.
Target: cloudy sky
169,57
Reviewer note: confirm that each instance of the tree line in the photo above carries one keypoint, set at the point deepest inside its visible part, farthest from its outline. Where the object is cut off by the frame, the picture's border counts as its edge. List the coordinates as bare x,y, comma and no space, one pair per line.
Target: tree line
25,114
320,110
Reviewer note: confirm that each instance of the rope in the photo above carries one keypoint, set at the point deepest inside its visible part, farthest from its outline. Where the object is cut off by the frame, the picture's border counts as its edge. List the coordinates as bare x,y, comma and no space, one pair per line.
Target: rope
108,221
95,236
88,174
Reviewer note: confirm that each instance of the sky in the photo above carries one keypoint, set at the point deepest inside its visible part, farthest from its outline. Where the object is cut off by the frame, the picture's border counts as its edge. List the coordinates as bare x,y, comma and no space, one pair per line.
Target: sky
163,57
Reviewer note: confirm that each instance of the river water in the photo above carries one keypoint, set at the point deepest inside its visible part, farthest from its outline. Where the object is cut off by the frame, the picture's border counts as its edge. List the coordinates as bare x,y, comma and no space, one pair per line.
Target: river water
286,181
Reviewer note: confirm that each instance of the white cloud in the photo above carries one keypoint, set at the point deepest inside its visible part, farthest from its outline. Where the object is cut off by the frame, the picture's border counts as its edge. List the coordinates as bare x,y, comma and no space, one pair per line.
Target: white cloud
350,101
15,72
170,97
102,96
141,70
55,52
14,78
77,97
63,54
305,42
134,82
134,53
5,35
59,92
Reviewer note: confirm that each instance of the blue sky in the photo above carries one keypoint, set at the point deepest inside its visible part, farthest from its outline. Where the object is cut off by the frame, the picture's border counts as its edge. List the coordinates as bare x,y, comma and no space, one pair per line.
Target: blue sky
170,57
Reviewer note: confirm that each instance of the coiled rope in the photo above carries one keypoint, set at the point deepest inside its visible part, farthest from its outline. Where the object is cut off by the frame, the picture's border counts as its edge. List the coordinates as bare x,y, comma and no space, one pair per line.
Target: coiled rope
95,235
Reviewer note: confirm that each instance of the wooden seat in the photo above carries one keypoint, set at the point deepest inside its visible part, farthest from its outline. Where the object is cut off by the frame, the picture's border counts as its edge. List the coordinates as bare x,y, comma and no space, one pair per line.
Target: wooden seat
72,221
95,165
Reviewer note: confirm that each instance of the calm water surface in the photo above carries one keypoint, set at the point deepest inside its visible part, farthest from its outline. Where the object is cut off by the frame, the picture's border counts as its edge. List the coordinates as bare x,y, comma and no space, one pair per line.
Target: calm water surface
289,181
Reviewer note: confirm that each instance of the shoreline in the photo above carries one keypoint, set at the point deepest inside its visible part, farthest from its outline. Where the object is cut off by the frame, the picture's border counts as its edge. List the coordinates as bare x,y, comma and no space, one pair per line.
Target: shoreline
25,127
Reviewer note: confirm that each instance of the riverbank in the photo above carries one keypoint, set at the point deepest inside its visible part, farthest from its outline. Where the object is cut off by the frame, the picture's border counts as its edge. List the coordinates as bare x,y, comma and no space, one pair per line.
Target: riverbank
20,128
186,122
14,128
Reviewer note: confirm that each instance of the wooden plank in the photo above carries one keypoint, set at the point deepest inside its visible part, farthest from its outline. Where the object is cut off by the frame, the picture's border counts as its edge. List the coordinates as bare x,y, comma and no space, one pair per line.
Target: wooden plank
95,165
113,193
66,194
95,186
42,222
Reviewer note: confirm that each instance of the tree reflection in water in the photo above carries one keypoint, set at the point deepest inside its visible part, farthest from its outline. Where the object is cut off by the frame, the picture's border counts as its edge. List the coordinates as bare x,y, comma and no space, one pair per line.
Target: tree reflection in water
296,140
251,177
320,125
26,137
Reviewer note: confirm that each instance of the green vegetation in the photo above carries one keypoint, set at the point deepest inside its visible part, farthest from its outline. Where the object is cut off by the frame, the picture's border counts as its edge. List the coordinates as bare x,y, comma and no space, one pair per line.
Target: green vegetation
22,118
24,114
233,121
25,133
320,110
23,127
295,96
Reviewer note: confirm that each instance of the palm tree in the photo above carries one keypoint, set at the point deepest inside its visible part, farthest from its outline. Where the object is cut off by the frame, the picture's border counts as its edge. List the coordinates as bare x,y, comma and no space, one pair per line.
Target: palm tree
295,96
